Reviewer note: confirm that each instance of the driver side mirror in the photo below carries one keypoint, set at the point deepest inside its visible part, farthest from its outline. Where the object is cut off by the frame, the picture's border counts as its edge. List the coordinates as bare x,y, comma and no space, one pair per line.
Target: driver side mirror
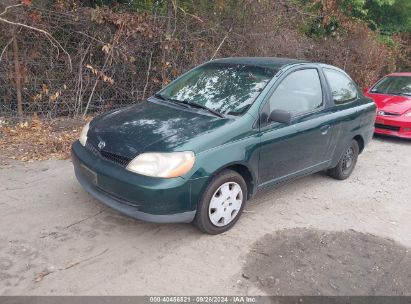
280,116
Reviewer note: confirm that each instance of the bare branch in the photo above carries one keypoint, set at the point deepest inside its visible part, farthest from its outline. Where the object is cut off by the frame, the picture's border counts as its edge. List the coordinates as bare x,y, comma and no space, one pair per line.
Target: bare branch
5,48
52,40
148,75
346,57
194,16
10,6
91,37
96,82
221,43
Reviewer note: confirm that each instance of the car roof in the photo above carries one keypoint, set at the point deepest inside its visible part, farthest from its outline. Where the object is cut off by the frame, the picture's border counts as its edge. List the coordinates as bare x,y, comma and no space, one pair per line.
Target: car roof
268,62
400,74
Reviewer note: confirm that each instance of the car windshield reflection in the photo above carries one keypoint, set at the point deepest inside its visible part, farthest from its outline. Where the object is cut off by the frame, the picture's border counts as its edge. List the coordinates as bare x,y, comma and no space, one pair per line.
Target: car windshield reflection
224,88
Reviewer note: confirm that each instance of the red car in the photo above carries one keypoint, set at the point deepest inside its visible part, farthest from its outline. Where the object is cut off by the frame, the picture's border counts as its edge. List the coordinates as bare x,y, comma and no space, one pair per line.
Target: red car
392,94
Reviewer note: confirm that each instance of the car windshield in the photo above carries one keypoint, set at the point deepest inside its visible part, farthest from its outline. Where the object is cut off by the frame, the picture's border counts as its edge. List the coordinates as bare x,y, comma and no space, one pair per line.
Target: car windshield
224,88
395,85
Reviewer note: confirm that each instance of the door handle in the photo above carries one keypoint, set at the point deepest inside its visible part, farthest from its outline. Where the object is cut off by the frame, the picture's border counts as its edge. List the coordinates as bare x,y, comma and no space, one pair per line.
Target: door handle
324,129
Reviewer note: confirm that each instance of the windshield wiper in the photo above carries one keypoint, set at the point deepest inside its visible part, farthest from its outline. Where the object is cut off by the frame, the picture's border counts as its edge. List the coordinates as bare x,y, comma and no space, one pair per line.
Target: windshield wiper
162,97
200,106
187,103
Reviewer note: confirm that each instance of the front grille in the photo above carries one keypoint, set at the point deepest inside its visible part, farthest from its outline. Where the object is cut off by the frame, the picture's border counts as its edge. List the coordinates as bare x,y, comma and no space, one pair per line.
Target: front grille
92,149
387,127
117,159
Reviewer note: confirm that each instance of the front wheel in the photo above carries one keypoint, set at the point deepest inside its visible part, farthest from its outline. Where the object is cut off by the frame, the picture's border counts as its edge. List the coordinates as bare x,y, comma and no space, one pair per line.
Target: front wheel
222,203
347,162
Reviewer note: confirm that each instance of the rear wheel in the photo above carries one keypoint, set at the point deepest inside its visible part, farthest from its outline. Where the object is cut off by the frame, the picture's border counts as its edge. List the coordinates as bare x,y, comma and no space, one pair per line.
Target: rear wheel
347,162
222,203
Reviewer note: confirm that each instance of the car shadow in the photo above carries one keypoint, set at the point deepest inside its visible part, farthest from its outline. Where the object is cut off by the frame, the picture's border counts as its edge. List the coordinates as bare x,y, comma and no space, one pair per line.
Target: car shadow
105,221
290,186
392,139
109,220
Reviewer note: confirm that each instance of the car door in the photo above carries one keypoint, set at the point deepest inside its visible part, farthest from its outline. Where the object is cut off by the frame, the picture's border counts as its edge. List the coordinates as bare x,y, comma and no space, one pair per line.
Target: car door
289,150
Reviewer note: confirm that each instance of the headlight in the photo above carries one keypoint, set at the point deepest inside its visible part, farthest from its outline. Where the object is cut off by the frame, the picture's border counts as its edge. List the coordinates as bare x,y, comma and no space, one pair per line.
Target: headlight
83,134
408,113
162,164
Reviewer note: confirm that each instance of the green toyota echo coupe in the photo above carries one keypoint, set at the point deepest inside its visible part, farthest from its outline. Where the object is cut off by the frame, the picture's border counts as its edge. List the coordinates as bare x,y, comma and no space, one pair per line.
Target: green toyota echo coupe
202,146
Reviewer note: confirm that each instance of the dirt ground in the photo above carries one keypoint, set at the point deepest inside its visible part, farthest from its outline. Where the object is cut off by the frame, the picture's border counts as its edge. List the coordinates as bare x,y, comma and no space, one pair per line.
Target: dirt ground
313,236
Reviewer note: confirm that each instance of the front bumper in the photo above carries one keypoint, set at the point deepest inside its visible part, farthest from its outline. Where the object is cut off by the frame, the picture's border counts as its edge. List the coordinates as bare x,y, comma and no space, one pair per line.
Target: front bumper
159,200
397,126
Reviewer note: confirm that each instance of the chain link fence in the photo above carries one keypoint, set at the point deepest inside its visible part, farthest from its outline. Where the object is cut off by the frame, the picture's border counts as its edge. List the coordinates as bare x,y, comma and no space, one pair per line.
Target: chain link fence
119,57
116,60
58,93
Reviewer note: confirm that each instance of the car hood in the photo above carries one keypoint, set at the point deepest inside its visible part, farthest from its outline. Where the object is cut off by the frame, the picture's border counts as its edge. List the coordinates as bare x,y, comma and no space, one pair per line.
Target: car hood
392,103
150,126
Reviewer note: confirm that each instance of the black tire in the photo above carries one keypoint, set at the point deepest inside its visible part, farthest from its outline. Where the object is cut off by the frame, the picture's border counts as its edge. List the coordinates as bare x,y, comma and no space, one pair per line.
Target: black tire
202,219
347,162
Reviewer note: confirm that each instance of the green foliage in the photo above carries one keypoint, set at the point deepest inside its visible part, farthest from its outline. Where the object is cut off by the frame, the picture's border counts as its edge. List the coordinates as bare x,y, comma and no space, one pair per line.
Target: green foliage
383,16
224,9
314,26
387,40
144,5
388,16
391,18
317,29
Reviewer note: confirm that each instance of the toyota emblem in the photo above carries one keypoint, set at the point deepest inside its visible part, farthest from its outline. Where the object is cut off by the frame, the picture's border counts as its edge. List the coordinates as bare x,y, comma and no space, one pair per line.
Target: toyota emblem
381,113
101,145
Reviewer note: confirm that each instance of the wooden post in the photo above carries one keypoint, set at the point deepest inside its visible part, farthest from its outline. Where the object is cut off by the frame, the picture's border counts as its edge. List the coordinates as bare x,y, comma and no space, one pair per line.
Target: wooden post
17,74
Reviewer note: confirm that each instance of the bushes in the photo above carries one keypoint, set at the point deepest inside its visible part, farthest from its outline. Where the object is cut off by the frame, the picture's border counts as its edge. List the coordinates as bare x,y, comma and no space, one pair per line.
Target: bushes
123,53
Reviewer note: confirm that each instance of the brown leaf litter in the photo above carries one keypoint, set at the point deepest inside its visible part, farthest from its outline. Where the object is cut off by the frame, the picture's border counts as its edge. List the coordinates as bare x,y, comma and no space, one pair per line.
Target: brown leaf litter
37,139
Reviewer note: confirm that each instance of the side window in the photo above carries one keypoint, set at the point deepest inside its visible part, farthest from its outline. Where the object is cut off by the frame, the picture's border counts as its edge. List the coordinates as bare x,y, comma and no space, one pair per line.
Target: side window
342,87
299,92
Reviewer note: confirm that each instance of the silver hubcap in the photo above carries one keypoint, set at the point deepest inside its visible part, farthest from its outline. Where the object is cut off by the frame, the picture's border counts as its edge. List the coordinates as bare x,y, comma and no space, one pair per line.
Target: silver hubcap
348,159
225,204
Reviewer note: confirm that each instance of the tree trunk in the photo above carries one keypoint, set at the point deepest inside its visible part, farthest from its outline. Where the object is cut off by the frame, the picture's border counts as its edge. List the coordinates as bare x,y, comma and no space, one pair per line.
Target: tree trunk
170,10
17,74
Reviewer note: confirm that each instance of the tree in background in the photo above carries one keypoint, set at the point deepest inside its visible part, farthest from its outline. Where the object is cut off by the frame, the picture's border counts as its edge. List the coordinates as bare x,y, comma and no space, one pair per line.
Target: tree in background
124,50
387,16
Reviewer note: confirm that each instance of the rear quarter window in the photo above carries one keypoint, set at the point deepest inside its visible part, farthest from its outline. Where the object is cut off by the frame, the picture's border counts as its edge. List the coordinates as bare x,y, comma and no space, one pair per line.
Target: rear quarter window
342,87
